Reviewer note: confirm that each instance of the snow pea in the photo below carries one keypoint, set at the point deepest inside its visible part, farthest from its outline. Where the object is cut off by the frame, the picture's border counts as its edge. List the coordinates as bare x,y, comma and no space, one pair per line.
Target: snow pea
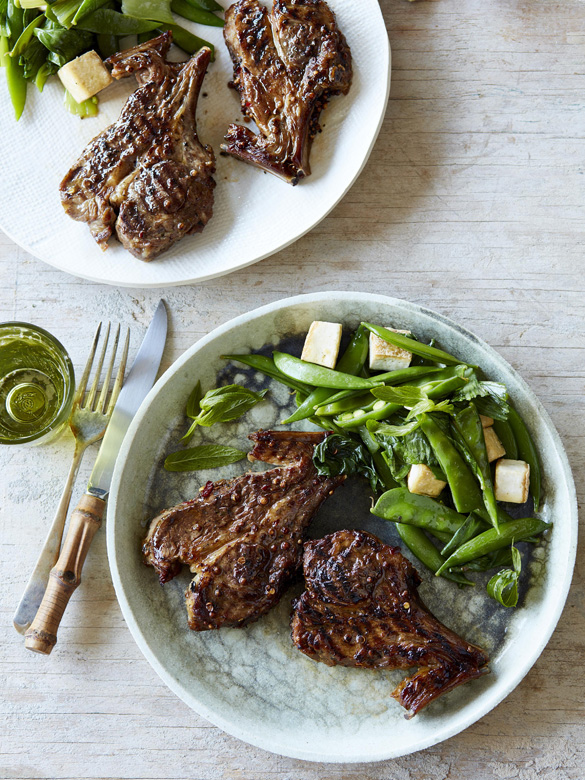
470,528
14,78
369,414
319,376
105,21
491,540
351,362
505,434
426,552
265,365
401,376
527,452
404,342
188,11
469,430
401,506
486,562
464,489
25,36
206,5
357,400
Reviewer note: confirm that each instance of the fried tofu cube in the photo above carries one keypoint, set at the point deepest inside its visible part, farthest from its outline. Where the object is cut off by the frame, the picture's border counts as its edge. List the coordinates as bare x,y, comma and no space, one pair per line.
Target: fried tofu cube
512,481
85,76
495,448
322,344
386,357
486,422
422,481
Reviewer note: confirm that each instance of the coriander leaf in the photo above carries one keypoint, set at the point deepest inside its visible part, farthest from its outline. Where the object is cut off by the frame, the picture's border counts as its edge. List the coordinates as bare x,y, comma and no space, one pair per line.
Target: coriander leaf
340,454
503,586
205,456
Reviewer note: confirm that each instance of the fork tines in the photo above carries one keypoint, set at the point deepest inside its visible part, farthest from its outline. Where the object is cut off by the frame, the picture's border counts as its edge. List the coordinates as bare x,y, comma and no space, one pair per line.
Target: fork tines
90,402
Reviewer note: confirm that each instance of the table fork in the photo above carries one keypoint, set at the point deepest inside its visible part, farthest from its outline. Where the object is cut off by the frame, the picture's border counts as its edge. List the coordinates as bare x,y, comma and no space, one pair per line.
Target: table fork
88,421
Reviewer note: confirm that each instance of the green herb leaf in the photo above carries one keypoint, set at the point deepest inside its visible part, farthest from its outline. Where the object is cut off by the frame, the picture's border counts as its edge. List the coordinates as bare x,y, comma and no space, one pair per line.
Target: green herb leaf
205,456
406,395
339,454
194,401
386,429
492,397
503,586
159,10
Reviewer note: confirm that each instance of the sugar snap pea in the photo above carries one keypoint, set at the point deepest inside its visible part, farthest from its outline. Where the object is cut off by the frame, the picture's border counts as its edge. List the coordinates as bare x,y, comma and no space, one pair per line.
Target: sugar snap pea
401,506
469,430
404,342
464,488
490,541
470,528
527,452
265,365
381,413
351,362
188,11
319,376
426,552
357,400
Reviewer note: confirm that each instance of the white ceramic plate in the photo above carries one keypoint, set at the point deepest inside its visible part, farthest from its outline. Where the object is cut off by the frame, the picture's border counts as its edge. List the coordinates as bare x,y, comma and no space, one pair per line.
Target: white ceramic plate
255,214
252,682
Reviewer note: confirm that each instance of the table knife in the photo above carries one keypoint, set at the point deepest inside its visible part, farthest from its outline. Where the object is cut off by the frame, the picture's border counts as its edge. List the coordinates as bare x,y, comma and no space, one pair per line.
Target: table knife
86,519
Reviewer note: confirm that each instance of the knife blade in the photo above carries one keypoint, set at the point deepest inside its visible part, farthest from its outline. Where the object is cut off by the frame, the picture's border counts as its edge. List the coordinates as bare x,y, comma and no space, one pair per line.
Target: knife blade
86,519
137,385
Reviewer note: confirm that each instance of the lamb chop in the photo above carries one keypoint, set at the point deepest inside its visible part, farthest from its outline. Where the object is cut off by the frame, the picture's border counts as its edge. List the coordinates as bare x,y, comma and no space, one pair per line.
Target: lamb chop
147,175
242,537
286,66
361,609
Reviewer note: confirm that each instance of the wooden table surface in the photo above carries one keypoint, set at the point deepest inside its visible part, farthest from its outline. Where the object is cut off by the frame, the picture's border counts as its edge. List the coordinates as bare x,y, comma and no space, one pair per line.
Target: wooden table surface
472,204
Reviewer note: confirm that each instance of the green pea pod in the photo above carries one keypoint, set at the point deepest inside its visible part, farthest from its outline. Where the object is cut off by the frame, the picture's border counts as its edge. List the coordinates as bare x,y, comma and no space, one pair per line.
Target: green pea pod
467,423
266,366
186,40
490,541
527,452
157,10
470,528
87,7
84,109
401,506
26,35
108,44
369,414
357,400
487,562
404,342
187,11
464,488
109,22
14,78
351,362
505,434
319,376
426,552
43,73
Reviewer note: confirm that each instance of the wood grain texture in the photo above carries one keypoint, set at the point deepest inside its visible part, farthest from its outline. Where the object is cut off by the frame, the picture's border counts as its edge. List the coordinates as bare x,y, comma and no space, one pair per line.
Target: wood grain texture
473,203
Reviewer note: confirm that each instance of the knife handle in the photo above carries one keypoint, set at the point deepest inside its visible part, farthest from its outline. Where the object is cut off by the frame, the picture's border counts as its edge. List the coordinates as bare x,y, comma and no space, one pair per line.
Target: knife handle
65,575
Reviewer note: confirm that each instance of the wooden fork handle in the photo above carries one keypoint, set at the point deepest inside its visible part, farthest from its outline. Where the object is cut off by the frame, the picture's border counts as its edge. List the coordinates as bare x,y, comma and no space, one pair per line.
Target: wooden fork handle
65,575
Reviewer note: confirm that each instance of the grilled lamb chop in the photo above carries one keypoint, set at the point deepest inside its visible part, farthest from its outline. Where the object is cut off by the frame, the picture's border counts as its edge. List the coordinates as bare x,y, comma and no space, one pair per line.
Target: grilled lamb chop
361,609
147,175
242,537
286,66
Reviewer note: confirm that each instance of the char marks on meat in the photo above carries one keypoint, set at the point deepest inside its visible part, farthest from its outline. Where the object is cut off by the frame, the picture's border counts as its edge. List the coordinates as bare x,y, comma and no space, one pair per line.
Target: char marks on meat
286,66
242,538
361,609
147,176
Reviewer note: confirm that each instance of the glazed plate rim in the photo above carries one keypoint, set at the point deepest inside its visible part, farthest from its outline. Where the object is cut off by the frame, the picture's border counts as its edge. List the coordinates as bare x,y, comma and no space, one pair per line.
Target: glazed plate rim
449,725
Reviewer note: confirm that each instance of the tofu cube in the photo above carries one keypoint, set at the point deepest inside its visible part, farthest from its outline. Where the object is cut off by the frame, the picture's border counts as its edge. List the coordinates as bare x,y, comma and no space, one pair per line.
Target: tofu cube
322,344
85,76
385,357
495,448
512,481
422,481
486,422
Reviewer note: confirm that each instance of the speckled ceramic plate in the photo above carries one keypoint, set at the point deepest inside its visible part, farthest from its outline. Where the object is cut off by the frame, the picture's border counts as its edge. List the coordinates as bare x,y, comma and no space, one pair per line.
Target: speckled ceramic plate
252,682
255,214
